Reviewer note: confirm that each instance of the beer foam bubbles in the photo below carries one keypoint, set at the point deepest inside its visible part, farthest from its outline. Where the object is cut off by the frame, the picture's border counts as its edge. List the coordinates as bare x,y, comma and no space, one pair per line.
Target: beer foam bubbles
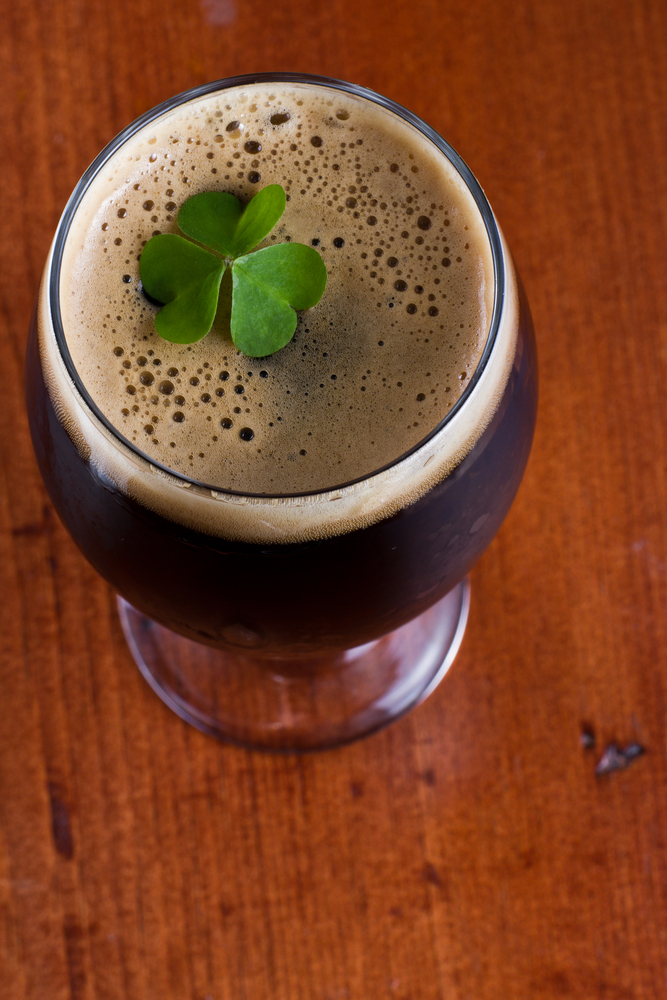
372,369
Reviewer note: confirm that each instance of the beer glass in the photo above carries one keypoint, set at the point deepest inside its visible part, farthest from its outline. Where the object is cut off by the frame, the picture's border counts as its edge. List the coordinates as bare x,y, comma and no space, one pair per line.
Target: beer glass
347,608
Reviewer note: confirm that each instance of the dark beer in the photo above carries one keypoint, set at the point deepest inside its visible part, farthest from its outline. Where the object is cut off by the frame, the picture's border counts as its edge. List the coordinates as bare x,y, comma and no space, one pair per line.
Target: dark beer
387,440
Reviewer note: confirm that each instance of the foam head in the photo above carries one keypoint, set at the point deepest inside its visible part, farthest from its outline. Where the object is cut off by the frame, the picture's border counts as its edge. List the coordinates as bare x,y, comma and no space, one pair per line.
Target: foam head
371,370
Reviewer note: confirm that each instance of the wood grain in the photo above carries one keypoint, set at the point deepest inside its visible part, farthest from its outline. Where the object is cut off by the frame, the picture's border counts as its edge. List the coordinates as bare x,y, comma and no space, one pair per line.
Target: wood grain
469,852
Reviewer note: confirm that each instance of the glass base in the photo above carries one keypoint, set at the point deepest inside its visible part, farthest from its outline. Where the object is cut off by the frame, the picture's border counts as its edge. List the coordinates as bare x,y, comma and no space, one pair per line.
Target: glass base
299,704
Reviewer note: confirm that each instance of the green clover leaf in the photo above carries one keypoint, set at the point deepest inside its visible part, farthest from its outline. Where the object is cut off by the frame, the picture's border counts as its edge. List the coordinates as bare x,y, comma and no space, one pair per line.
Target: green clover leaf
219,221
273,282
267,286
187,279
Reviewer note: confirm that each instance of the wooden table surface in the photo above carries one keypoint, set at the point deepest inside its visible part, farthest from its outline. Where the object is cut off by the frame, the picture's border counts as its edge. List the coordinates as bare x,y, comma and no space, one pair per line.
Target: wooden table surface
470,851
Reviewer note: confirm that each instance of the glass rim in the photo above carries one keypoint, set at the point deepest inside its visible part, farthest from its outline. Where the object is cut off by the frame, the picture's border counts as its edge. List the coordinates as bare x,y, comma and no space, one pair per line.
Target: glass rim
215,86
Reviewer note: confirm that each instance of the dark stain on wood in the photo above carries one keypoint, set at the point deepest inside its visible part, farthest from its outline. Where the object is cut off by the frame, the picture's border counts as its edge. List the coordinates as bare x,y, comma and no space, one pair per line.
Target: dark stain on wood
430,874
60,824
